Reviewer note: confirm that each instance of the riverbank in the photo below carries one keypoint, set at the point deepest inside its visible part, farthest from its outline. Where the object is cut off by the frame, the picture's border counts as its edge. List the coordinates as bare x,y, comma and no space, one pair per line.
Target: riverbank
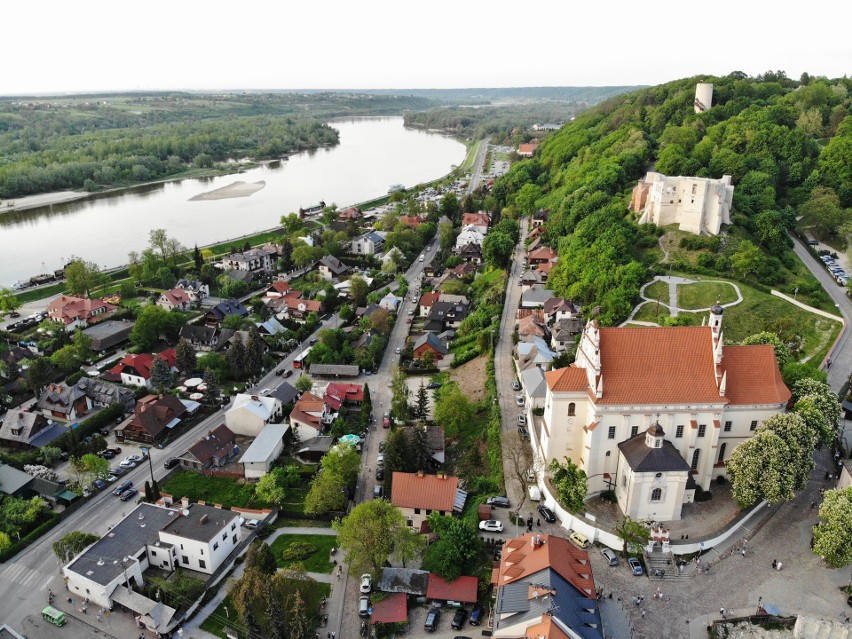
235,189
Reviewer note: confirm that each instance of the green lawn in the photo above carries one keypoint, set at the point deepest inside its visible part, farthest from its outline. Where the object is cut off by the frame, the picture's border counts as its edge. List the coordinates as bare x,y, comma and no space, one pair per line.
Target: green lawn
320,561
219,618
658,291
212,489
704,294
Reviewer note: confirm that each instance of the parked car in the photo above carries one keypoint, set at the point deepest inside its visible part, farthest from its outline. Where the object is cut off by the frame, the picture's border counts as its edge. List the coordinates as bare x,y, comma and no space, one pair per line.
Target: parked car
127,463
635,566
265,391
610,556
118,471
491,525
380,474
502,502
171,462
381,446
125,486
378,491
380,460
107,454
522,420
386,420
364,606
115,450
99,484
476,615
433,385
580,540
516,385
519,400
459,618
111,479
549,515
523,432
313,341
366,583
398,350
433,617
127,495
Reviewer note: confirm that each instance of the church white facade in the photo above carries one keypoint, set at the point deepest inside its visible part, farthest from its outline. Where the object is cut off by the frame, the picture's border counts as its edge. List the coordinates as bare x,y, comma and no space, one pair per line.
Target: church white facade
697,205
706,398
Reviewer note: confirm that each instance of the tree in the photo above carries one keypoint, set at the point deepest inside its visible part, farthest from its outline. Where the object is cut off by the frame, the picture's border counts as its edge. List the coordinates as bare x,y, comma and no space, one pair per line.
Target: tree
49,454
421,406
211,389
327,494
260,557
255,348
273,486
81,278
380,321
5,541
158,240
82,344
304,384
368,535
445,237
343,461
759,469
149,494
346,313
497,249
409,545
453,409
782,353
457,549
449,206
399,394
634,535
87,468
197,259
185,357
65,359
833,534
17,513
822,212
570,484
793,372
748,261
526,198
237,357
149,326
358,290
823,399
38,374
518,456
8,301
161,374
72,544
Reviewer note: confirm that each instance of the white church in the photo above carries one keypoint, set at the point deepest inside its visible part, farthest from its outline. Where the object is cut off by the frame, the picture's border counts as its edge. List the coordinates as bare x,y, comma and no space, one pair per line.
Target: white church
651,413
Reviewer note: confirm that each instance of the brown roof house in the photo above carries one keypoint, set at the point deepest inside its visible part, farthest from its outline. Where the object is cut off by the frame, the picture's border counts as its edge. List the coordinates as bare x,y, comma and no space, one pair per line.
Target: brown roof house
152,419
78,312
418,495
64,402
19,428
176,298
330,268
310,416
216,449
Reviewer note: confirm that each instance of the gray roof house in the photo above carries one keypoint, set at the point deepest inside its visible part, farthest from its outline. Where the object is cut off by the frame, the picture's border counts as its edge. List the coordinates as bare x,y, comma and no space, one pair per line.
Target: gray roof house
535,297
331,268
368,244
265,449
19,428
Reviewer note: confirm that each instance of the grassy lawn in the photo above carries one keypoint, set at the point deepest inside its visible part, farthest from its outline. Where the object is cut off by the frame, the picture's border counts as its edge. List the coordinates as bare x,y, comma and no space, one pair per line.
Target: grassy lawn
704,294
319,561
651,312
658,291
219,618
214,490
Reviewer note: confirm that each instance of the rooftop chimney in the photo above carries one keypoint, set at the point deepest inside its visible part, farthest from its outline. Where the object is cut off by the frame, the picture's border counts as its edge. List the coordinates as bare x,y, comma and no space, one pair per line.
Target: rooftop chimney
203,519
184,501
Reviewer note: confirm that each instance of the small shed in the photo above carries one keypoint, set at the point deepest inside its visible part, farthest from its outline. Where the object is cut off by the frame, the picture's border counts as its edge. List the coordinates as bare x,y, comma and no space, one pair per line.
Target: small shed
394,609
484,512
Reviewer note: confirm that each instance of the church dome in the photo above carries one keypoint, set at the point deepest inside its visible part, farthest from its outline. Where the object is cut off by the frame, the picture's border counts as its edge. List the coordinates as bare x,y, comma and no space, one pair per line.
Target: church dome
655,430
717,309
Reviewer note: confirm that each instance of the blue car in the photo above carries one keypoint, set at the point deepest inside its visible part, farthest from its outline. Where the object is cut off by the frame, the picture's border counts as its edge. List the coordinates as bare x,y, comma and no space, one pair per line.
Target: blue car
125,486
635,566
100,484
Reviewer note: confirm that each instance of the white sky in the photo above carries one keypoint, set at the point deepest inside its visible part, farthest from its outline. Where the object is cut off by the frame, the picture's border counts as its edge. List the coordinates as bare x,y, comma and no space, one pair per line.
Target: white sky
94,45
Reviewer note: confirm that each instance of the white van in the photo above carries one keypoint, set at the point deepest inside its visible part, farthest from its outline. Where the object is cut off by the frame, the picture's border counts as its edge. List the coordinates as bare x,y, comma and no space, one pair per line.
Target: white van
535,493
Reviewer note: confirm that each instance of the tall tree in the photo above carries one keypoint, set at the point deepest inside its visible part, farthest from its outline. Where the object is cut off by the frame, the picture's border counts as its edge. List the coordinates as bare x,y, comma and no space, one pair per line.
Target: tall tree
570,483
367,536
211,389
453,409
833,534
255,348
237,357
457,549
196,258
634,535
400,394
260,556
158,240
185,357
38,374
823,399
759,469
72,544
304,384
358,290
161,375
421,407
8,301
82,278
497,249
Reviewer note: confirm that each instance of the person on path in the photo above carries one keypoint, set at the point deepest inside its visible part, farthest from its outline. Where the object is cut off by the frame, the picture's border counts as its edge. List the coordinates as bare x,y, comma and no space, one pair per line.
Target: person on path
643,613
743,551
774,564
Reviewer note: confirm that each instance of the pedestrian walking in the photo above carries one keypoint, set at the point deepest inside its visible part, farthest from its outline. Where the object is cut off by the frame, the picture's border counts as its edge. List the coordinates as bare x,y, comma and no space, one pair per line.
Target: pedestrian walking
538,523
774,564
743,551
722,612
643,613
813,505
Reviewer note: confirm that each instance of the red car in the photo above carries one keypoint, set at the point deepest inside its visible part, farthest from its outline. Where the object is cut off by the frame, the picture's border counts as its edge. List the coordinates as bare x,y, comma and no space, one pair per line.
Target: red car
386,421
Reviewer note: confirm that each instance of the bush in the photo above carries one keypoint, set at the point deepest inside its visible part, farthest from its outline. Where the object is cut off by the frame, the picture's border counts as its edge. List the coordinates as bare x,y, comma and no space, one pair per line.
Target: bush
702,495
298,550
29,538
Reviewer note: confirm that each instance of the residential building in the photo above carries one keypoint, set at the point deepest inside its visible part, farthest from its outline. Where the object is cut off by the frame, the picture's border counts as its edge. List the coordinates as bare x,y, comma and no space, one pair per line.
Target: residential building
310,416
429,343
539,218
411,221
559,308
64,401
534,387
418,495
541,255
194,537
351,213
105,335
368,244
464,589
264,450
545,589
197,290
469,235
297,309
697,205
444,315
19,428
277,289
224,309
284,393
250,413
246,277
565,333
330,268
534,352
426,301
390,302
706,397
15,483
77,312
335,370
476,221
215,449
153,417
471,253
254,261
432,268
527,150
339,394
174,299
535,297
135,370
270,327
532,325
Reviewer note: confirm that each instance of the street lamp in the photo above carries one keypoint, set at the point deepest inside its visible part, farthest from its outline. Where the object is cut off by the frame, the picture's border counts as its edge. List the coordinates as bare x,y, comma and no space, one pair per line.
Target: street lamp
147,451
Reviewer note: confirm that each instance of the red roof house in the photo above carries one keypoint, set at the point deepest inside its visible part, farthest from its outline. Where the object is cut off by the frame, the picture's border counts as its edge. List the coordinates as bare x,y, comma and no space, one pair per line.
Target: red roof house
393,609
176,298
463,589
135,369
76,312
337,395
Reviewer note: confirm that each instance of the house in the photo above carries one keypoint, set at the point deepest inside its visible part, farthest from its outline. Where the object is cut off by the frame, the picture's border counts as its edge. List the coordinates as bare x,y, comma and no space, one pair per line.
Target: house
444,315
535,387
63,401
174,299
365,339
432,268
426,302
544,270
706,398
429,343
368,244
194,537
536,242
351,213
197,290
537,231
246,277
15,483
297,309
539,218
202,338
77,312
534,352
330,268
368,311
698,205
545,589
105,335
469,235
418,495
532,277
464,589
527,150
454,299
559,308
277,289
406,581
284,393
310,416
153,417
224,309
533,325
411,221
250,413
476,221
19,428
253,261
471,252
135,370
345,287
214,450
335,370
270,327
347,395
103,393
565,333
390,302
541,255
314,448
265,449
535,297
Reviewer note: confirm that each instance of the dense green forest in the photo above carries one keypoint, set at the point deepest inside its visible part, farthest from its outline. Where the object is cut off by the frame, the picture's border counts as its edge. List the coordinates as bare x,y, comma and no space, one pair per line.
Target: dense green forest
787,144
485,95
100,141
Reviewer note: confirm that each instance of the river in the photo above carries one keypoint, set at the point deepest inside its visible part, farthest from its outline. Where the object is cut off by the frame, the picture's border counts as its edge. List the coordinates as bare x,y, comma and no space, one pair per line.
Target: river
373,154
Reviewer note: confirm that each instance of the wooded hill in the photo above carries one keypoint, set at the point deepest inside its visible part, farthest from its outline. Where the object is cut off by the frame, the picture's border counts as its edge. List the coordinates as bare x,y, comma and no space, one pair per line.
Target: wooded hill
787,145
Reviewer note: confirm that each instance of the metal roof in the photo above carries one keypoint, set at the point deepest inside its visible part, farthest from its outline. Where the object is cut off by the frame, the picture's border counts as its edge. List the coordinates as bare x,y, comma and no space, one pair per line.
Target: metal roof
264,445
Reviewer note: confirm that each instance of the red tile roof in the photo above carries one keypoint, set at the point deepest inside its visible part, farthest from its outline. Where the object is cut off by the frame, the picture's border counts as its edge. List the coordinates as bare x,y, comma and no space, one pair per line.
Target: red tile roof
393,609
279,286
142,363
427,299
176,297
67,308
477,219
336,394
522,557
527,148
462,589
308,403
544,253
411,220
429,492
569,379
753,376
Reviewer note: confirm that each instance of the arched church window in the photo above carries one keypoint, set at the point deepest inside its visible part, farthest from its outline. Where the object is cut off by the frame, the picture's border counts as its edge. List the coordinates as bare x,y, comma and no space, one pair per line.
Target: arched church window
657,494
695,456
572,409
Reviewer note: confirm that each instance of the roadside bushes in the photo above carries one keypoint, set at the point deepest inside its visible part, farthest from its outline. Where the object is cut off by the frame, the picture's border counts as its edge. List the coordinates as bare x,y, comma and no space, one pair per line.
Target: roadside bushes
29,538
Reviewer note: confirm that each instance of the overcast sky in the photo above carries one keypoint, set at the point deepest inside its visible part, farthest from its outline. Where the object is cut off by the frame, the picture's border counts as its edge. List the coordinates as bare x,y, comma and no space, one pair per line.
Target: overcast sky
94,45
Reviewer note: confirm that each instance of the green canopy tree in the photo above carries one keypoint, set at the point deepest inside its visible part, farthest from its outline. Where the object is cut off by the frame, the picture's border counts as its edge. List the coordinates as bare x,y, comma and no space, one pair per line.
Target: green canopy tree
453,409
457,548
87,468
760,469
823,399
237,357
369,534
782,353
211,389
400,394
274,485
260,556
8,301
255,348
327,494
82,278
497,249
634,535
833,534
72,544
570,483
304,384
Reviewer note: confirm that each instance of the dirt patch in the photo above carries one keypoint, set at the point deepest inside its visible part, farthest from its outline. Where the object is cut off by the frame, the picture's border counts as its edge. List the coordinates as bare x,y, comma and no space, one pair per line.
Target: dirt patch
235,189
471,378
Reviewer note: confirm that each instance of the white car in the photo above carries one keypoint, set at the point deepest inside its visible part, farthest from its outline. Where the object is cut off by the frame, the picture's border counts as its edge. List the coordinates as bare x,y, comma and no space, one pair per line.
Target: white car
491,525
130,462
398,350
522,420
380,460
519,400
366,583
265,391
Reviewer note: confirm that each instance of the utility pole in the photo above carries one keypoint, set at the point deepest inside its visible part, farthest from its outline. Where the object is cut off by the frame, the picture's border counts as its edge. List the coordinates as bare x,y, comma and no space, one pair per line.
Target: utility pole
147,451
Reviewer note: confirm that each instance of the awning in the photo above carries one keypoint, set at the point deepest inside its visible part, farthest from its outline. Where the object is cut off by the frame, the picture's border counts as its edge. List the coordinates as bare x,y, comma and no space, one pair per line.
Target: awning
155,615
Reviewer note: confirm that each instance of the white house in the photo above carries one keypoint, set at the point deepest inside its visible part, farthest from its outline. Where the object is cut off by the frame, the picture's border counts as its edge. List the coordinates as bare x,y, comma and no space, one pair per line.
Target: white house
390,302
707,398
176,298
368,244
265,449
469,235
198,291
253,260
250,413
